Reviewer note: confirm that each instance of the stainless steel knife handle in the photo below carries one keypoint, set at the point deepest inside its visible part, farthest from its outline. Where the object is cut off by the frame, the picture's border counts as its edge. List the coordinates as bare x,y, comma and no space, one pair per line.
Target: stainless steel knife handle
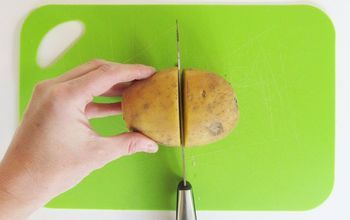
185,208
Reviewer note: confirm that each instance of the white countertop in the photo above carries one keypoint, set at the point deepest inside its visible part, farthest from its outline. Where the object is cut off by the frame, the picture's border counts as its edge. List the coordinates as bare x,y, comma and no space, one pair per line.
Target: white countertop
337,206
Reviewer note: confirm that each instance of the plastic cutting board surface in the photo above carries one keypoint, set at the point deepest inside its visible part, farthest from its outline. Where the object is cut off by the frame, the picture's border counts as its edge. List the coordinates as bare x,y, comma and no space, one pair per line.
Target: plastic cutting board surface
280,61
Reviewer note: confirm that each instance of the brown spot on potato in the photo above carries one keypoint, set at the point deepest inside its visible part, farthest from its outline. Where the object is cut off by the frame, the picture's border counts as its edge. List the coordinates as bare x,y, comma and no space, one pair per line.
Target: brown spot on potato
204,94
146,106
216,128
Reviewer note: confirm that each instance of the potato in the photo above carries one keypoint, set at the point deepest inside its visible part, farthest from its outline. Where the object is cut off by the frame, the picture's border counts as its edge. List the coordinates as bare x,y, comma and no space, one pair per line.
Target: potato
210,109
151,107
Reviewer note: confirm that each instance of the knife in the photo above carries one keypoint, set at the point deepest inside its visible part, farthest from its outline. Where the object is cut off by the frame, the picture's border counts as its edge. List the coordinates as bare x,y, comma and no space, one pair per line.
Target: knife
185,208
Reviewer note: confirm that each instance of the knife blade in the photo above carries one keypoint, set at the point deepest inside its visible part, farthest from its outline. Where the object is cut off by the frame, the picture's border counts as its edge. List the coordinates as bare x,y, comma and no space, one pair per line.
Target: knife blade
185,209
180,92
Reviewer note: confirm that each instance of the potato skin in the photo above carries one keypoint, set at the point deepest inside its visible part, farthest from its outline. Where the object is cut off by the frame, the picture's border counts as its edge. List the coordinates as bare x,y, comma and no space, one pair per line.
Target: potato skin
151,107
210,107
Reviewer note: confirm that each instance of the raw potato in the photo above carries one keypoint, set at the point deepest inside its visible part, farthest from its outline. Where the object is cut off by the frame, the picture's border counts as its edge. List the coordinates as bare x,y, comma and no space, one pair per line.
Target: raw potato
210,107
151,107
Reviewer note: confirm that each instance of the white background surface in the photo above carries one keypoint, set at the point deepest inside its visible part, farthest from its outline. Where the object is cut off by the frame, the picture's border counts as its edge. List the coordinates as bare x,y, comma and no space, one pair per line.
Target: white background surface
336,207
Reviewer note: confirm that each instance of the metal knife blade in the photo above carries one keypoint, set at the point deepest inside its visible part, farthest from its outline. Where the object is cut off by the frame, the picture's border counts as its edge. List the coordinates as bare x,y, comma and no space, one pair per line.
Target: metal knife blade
185,208
180,86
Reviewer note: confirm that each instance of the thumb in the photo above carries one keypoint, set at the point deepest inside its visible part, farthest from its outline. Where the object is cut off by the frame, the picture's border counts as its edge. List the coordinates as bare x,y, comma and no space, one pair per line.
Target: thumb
127,144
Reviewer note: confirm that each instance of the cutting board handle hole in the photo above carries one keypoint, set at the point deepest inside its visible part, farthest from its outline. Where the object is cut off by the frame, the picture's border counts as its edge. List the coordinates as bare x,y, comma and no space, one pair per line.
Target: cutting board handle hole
57,41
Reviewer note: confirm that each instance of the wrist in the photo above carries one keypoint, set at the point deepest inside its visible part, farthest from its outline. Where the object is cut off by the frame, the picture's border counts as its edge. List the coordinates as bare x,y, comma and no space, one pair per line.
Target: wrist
18,196
12,208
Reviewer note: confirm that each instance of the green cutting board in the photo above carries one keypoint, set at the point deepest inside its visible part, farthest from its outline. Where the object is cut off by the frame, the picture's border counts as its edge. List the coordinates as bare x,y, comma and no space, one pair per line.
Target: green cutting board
280,61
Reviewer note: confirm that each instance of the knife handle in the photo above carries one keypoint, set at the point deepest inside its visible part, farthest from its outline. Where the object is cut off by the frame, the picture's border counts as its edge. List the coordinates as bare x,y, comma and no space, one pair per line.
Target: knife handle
185,208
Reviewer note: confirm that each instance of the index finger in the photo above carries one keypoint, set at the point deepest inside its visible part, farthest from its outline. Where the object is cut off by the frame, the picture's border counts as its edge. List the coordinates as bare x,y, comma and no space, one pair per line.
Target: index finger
106,76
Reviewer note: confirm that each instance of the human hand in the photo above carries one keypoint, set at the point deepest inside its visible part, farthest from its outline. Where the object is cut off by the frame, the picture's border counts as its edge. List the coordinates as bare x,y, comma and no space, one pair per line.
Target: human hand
54,148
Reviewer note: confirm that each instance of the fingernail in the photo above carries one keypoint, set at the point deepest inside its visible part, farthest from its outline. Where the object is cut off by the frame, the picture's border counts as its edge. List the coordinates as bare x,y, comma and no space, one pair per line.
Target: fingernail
151,148
149,69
